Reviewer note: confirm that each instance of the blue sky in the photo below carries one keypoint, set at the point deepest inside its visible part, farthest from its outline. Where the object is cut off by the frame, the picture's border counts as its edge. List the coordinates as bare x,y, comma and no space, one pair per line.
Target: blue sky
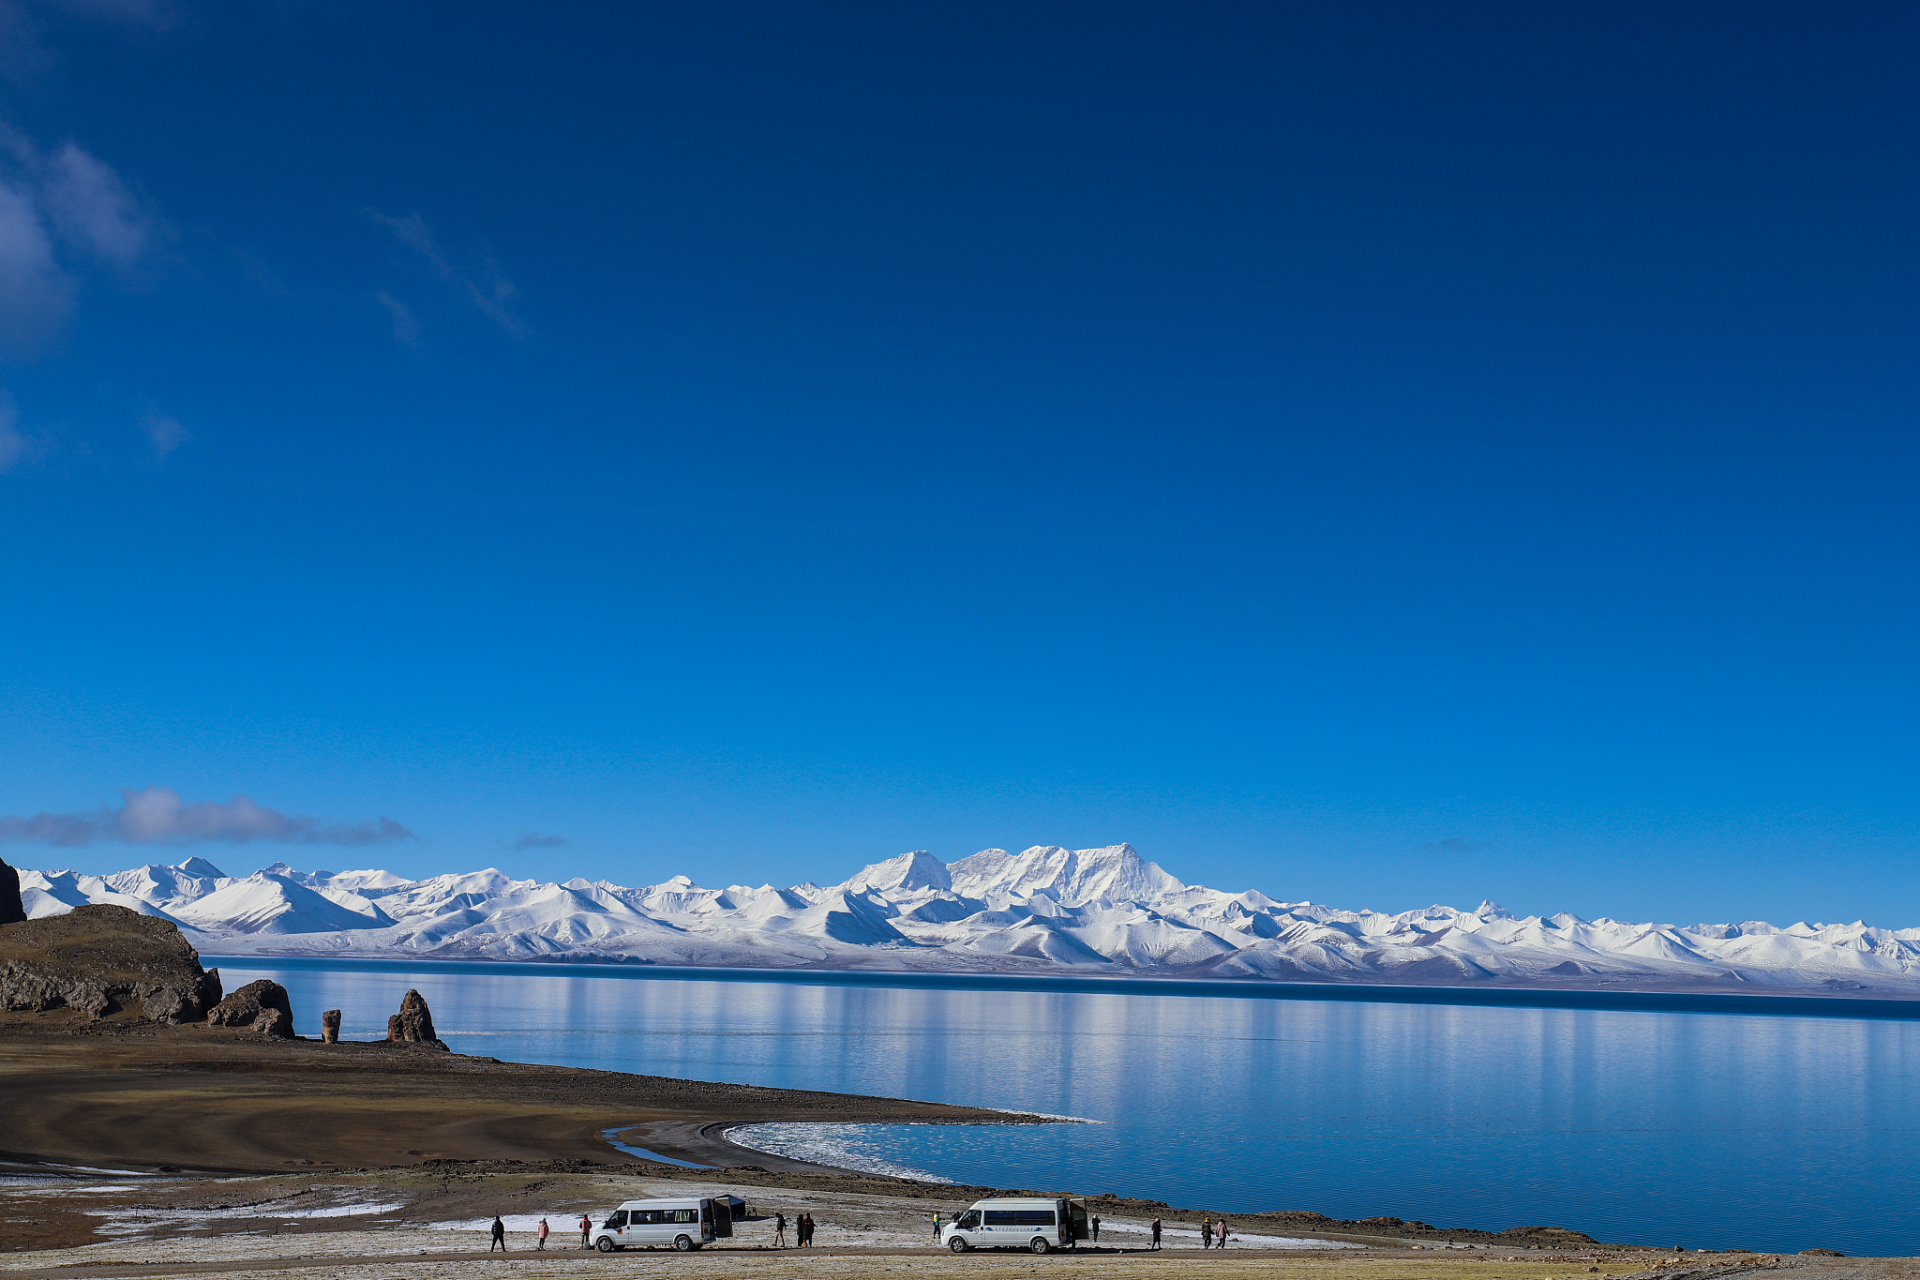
1381,453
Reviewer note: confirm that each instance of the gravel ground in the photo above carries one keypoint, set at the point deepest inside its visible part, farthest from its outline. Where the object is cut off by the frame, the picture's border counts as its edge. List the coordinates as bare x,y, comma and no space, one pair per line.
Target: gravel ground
397,1225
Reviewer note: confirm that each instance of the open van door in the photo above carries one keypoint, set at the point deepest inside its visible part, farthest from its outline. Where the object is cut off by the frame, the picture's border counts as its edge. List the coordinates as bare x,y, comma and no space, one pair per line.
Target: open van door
719,1215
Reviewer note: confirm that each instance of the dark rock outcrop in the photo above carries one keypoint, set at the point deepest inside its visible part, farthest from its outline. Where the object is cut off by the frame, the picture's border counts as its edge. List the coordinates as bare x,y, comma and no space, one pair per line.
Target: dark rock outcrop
11,910
98,960
330,1026
262,1005
414,1023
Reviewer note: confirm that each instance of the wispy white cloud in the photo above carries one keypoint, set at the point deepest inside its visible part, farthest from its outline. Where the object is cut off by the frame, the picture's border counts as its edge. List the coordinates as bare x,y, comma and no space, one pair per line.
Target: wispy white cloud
413,232
36,295
156,815
60,211
480,280
494,294
534,840
406,329
166,433
92,209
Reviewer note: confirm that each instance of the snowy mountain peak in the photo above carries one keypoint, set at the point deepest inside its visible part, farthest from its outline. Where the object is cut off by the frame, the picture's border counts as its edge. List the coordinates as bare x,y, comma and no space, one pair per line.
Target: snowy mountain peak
1070,877
918,871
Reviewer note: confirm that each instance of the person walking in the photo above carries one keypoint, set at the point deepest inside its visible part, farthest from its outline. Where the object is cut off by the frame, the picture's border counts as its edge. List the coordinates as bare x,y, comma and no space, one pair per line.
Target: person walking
499,1235
1156,1233
541,1232
1206,1233
1096,1228
1221,1241
779,1230
936,1228
586,1229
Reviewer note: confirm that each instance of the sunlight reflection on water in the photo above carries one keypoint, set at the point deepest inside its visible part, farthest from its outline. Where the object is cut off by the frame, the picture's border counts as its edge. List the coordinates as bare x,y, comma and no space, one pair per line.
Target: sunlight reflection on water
1709,1130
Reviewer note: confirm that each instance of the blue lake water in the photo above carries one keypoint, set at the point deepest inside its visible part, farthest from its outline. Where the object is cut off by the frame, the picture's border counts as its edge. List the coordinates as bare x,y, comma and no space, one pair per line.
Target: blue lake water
1660,1125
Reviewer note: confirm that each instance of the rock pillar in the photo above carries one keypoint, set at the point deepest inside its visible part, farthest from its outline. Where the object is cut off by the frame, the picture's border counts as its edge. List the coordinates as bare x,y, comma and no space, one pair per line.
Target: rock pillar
414,1023
330,1026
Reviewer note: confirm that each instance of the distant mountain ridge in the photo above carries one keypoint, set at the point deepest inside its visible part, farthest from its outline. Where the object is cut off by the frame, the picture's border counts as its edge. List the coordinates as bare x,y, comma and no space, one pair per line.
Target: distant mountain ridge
1045,910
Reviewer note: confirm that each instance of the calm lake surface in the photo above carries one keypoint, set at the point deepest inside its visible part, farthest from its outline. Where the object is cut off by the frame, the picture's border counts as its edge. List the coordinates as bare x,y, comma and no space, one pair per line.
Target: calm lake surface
1709,1130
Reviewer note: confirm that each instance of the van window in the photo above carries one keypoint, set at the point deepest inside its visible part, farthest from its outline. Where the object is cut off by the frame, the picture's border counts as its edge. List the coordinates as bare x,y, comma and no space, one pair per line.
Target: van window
968,1220
619,1219
683,1215
1019,1217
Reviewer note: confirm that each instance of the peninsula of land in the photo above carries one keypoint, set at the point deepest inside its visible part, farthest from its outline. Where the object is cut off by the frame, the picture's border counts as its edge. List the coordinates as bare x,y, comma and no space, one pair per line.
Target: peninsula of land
117,1048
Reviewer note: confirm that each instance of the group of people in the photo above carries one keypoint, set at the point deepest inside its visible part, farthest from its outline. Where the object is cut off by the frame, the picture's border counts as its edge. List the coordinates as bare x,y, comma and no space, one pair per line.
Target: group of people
498,1232
1213,1235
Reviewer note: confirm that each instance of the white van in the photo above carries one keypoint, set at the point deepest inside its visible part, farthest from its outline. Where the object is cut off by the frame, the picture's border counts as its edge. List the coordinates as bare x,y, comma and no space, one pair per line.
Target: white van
684,1224
1022,1223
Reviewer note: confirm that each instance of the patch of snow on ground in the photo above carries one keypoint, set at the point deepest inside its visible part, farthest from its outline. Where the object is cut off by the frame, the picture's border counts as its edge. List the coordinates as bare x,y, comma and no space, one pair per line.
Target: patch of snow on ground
243,1211
844,1146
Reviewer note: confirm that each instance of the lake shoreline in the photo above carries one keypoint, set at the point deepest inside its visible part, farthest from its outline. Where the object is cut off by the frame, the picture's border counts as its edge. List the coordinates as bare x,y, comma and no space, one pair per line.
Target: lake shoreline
203,1104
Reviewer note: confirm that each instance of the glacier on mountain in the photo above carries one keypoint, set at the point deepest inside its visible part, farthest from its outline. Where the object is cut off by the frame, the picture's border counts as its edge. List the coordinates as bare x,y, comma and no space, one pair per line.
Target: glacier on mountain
1044,910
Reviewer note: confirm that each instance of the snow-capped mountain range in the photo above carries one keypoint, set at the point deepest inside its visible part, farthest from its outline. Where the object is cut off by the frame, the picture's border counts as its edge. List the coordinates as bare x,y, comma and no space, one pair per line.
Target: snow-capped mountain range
1047,910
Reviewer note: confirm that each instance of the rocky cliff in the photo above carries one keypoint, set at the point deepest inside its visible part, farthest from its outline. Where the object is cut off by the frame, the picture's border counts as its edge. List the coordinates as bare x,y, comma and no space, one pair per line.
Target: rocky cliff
101,959
12,911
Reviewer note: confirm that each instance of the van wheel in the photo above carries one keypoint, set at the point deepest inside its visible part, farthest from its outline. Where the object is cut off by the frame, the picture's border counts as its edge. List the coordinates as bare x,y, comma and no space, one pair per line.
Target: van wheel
604,1244
957,1244
1039,1245
683,1243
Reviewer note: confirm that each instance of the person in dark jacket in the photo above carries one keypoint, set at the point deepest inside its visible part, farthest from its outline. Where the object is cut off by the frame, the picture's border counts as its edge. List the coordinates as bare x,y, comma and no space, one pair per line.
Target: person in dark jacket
499,1235
1156,1233
1096,1228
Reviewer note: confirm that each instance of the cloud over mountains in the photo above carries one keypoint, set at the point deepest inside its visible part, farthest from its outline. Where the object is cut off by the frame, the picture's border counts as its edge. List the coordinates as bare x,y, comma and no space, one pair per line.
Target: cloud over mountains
157,815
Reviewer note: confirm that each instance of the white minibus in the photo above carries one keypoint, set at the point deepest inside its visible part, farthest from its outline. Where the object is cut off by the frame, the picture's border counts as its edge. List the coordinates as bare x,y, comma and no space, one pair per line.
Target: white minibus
684,1224
1017,1223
